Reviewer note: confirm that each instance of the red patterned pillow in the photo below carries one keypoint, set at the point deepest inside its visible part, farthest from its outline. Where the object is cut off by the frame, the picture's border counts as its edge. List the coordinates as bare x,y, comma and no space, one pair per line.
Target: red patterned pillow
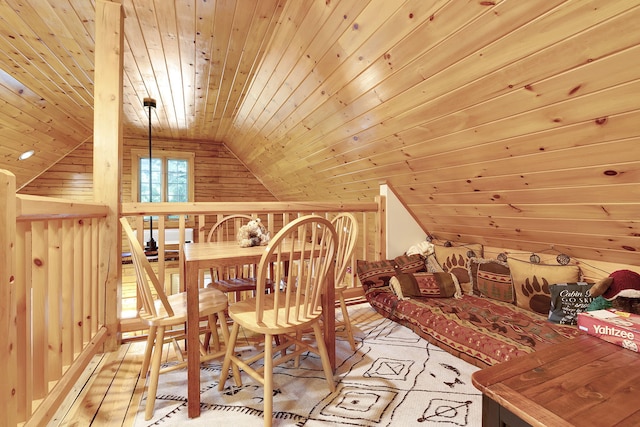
374,274
435,285
491,278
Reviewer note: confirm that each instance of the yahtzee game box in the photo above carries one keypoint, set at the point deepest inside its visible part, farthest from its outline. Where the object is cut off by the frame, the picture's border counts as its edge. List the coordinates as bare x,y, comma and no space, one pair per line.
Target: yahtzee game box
617,327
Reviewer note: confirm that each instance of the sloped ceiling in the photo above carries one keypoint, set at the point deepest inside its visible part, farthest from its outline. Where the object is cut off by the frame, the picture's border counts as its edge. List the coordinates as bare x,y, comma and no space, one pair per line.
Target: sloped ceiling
509,123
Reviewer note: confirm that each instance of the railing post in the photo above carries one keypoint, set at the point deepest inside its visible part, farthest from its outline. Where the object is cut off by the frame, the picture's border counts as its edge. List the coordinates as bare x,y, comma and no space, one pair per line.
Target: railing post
107,157
8,358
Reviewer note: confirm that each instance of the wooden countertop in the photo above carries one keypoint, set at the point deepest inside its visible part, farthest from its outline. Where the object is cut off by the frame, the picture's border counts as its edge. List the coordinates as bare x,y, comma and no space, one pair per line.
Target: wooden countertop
583,382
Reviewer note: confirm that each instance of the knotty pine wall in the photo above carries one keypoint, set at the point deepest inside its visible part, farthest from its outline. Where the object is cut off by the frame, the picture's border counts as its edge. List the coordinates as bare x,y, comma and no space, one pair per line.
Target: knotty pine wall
219,175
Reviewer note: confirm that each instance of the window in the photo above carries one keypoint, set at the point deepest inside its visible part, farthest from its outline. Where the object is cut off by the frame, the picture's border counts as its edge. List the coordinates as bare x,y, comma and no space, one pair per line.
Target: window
170,178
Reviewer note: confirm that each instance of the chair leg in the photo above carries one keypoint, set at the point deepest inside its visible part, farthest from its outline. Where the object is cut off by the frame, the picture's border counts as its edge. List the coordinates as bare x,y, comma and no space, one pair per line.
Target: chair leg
224,328
268,380
324,356
347,322
224,373
155,373
144,370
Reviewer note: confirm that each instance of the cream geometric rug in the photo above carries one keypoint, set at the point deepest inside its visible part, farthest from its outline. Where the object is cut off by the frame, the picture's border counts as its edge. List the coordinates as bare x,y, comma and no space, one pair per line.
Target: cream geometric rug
394,378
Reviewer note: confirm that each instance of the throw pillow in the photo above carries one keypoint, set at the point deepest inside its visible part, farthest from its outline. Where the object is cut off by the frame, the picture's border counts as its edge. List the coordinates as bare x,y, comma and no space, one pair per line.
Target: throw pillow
409,263
491,278
454,259
405,286
374,274
567,300
436,285
531,282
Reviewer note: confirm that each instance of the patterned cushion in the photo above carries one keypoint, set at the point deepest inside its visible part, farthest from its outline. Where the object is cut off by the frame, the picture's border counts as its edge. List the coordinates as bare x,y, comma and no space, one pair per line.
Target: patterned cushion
491,278
479,330
373,274
531,282
435,285
404,285
454,260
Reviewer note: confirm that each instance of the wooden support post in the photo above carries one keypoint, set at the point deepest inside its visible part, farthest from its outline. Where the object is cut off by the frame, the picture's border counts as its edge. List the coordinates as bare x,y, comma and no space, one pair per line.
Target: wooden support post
8,355
107,157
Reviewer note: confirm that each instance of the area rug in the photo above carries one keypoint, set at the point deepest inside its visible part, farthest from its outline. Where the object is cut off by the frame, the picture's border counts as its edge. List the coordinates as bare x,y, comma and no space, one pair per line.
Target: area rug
393,378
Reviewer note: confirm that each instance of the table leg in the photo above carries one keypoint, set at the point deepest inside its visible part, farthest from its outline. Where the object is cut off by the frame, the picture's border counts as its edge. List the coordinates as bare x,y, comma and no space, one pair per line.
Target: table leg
329,311
193,347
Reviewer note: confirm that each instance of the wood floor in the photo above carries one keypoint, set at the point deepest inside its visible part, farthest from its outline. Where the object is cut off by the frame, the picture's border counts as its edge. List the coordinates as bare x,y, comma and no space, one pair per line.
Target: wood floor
108,393
110,390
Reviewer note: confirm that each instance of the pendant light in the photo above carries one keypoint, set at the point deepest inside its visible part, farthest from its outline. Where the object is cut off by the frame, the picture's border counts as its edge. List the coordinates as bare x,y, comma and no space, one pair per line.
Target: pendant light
151,244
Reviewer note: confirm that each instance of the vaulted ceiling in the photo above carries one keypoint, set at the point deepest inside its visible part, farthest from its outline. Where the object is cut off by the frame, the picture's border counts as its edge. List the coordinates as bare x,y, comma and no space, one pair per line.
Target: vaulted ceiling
510,123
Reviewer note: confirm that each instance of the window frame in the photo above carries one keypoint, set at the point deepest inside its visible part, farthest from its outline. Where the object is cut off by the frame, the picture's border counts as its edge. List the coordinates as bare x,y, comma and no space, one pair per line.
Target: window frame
137,154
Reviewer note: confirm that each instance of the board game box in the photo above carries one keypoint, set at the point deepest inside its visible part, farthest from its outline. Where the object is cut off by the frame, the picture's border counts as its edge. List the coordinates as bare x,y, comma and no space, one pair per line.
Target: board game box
614,326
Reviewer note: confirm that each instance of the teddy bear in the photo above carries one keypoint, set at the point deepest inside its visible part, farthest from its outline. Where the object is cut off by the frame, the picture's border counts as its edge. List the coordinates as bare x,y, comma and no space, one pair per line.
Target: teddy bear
253,234
621,288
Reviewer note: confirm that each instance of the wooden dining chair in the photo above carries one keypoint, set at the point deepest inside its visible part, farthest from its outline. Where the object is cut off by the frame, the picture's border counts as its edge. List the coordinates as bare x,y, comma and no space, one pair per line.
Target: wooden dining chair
232,279
346,226
302,255
163,313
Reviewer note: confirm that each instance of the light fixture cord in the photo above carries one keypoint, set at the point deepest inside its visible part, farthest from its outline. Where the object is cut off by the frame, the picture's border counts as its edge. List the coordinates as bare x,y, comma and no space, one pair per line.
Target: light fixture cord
151,244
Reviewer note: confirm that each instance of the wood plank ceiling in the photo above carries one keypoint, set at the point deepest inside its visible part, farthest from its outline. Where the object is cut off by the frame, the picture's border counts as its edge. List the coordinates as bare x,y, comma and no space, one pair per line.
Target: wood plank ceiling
509,123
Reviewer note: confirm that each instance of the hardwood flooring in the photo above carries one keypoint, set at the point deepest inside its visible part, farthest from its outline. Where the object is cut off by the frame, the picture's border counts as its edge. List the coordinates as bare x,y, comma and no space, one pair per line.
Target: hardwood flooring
110,390
108,393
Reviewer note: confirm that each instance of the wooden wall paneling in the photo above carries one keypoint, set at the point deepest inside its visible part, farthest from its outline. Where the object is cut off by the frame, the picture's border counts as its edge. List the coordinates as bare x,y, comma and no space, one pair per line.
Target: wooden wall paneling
344,83
322,57
220,32
46,59
150,47
481,31
244,17
203,64
250,110
317,12
294,62
186,19
432,214
448,127
179,55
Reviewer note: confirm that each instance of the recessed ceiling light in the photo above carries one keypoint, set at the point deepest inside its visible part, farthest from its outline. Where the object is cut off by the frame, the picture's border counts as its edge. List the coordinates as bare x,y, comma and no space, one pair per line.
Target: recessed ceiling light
26,155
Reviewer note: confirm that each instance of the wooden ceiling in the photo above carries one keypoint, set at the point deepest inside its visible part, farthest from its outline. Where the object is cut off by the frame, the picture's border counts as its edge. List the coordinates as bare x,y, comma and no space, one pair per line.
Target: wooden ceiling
509,123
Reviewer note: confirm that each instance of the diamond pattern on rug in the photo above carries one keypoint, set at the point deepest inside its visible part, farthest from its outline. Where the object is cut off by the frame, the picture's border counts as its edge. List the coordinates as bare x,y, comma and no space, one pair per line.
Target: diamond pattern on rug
394,378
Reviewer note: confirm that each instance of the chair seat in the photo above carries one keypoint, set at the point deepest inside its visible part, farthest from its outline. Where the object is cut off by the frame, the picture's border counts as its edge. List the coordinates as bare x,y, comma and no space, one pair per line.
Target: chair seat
244,313
210,301
238,284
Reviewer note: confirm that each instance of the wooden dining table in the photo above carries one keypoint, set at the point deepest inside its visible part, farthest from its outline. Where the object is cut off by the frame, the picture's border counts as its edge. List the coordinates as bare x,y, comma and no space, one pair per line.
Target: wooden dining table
205,255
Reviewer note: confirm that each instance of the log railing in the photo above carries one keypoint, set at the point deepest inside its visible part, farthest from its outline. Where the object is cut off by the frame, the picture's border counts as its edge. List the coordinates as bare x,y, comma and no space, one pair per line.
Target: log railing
199,217
51,300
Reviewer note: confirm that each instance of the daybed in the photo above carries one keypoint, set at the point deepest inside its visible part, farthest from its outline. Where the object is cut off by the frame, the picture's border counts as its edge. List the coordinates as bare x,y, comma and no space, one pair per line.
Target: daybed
482,311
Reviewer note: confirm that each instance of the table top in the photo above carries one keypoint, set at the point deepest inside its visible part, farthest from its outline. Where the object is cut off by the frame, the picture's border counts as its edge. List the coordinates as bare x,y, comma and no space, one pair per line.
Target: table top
585,381
220,251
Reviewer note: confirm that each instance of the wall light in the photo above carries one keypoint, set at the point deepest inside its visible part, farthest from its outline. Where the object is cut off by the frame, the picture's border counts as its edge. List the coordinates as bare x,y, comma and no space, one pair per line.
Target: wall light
26,155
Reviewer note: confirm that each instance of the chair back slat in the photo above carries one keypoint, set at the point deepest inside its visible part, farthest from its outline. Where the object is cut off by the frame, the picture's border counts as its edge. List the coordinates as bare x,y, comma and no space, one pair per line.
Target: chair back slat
346,226
303,252
226,230
144,273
